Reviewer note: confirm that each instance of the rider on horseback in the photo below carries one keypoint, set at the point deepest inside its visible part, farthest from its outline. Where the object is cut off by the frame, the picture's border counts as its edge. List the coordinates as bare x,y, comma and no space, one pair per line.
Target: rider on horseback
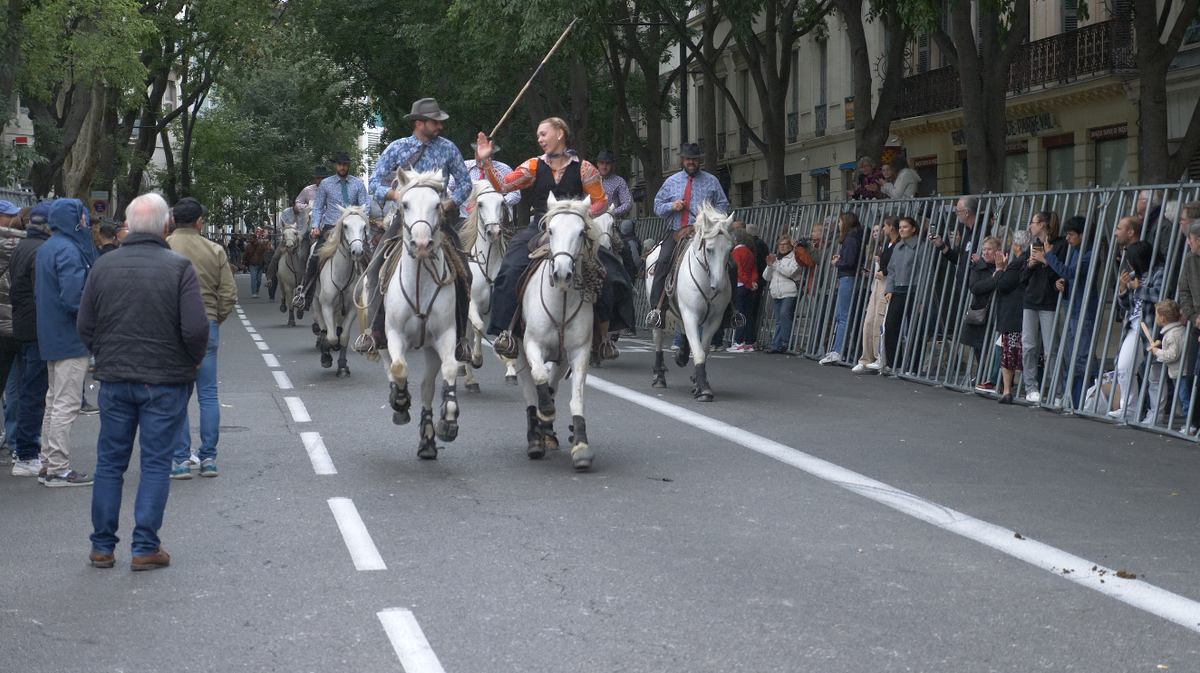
341,189
561,172
424,150
678,201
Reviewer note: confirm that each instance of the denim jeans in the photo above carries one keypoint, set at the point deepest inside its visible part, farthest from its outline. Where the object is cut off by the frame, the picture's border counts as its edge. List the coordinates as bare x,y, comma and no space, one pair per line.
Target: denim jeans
742,300
1037,337
785,312
845,293
12,399
155,414
1082,333
206,398
34,382
255,278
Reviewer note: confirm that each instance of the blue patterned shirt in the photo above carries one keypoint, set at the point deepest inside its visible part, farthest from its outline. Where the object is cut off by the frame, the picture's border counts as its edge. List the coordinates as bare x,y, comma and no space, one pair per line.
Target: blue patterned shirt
439,153
329,197
705,187
617,191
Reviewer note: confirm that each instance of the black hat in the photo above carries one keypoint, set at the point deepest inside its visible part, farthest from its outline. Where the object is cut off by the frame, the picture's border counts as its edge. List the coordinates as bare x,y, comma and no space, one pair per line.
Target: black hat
187,210
690,151
495,147
606,155
321,172
426,109
341,158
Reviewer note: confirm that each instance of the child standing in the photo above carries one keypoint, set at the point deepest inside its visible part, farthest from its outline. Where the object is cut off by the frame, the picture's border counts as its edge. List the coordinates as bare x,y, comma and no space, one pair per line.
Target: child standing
1167,351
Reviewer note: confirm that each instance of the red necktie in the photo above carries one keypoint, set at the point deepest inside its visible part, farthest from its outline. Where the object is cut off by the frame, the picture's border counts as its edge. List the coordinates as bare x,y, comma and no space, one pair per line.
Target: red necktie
687,203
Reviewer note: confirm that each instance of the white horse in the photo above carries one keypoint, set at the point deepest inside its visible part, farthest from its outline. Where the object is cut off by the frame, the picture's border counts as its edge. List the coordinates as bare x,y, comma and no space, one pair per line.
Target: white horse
482,234
606,223
420,304
343,258
558,328
288,273
701,293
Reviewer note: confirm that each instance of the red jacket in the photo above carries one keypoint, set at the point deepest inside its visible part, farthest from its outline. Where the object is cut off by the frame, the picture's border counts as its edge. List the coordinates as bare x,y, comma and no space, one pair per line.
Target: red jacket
747,271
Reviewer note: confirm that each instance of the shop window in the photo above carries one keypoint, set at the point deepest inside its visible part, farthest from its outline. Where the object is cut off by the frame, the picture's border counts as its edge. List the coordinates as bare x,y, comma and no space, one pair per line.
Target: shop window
821,187
1060,168
1016,172
746,193
1112,166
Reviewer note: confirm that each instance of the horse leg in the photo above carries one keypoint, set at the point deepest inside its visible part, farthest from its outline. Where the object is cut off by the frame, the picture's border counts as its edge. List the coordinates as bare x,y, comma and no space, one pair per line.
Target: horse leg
447,425
702,390
510,372
344,343
477,328
660,368
581,453
397,371
537,430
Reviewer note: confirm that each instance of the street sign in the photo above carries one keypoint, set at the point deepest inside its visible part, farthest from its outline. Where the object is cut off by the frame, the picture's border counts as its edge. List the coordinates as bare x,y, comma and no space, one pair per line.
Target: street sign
100,203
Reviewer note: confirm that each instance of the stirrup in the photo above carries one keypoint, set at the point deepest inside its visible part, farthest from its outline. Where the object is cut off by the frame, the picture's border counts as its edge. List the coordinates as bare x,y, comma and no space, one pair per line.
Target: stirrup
505,346
609,351
365,343
463,351
654,319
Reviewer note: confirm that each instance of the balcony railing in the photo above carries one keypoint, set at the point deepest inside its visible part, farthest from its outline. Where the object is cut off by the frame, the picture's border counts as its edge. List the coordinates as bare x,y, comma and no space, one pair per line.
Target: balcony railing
793,127
743,142
820,117
721,144
1098,49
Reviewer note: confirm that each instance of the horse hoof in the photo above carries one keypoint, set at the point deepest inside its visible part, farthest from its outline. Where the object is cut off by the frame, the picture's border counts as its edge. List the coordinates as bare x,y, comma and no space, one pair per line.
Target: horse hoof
510,380
282,308
582,457
401,417
477,362
343,370
550,442
316,328
299,314
447,431
658,382
326,360
472,387
291,323
536,449
705,396
681,358
427,452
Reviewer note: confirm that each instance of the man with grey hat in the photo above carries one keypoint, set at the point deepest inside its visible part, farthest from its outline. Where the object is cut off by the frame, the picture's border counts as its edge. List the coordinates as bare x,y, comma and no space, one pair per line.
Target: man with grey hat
614,185
425,150
305,199
335,192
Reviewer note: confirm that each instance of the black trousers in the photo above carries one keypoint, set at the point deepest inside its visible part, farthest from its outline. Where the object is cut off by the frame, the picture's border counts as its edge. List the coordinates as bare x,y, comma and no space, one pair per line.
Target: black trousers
892,324
662,267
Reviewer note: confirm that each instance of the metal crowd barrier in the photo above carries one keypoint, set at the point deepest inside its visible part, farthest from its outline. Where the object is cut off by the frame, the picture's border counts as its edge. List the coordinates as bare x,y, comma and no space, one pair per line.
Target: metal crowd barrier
1077,375
21,197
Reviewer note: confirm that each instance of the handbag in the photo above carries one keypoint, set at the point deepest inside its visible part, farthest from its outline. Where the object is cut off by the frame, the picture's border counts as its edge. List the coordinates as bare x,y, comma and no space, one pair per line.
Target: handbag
976,316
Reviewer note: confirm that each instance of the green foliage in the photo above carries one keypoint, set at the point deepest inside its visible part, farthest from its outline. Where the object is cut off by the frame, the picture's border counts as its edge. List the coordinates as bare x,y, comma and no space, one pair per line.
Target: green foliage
85,40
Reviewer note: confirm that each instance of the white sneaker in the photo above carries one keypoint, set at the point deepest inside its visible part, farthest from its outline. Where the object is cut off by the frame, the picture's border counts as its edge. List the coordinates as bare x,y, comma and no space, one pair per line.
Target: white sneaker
26,468
254,296
1033,397
748,348
735,348
874,366
830,358
1116,413
859,368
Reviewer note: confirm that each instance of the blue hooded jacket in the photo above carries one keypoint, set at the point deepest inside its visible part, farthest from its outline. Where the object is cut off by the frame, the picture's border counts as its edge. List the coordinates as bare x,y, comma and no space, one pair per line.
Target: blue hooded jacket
63,262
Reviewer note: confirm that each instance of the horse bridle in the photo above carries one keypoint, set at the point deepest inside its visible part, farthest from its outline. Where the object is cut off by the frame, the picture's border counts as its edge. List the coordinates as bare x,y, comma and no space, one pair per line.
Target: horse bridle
708,300
484,260
561,327
407,227
425,264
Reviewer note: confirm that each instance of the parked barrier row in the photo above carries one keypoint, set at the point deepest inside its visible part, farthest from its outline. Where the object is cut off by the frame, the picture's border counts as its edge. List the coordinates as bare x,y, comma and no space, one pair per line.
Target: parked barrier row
1082,365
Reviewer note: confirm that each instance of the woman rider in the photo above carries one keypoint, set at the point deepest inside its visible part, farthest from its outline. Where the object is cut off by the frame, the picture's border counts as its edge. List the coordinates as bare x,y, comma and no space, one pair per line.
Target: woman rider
561,172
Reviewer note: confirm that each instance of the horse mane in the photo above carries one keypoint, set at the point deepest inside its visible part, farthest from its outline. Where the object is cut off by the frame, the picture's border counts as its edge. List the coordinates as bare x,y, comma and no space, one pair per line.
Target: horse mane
335,235
427,179
578,207
470,226
710,222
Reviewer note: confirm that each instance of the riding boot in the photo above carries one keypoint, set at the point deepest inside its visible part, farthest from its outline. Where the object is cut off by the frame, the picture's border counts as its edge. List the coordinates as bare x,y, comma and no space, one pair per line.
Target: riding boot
377,339
308,289
662,269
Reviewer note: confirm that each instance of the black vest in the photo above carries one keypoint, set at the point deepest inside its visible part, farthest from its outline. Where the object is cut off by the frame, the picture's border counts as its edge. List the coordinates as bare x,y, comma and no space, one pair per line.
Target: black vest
570,187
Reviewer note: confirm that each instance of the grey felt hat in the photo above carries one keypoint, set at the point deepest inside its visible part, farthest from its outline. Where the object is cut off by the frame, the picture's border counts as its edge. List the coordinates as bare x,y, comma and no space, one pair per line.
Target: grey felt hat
690,151
426,109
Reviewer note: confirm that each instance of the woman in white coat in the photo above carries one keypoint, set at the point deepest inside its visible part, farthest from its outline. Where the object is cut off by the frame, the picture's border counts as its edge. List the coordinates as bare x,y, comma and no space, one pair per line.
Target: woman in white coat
783,272
901,180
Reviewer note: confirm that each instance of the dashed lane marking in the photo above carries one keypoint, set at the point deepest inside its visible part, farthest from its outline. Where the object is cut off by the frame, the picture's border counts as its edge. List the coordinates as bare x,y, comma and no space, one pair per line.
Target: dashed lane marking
256,337
299,412
317,453
282,380
1137,593
271,360
251,329
416,656
354,532
262,345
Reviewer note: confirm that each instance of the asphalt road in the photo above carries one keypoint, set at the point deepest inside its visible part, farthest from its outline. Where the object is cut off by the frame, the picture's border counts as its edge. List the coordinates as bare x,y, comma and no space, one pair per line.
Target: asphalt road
807,520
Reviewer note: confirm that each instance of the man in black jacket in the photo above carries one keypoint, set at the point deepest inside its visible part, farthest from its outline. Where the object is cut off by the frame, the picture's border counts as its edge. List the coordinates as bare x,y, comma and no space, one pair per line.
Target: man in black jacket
22,270
143,318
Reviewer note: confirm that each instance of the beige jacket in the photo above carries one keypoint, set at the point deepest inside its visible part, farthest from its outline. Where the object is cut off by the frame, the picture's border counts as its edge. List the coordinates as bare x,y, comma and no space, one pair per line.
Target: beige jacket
212,269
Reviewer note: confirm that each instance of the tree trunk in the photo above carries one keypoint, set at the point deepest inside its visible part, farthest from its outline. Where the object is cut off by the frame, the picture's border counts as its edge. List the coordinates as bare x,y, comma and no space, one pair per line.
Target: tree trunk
80,163
55,134
147,139
12,52
873,123
580,98
1158,164
170,191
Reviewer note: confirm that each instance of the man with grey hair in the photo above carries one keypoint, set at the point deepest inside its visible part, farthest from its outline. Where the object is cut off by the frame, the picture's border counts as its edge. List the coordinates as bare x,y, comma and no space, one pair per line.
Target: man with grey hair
143,317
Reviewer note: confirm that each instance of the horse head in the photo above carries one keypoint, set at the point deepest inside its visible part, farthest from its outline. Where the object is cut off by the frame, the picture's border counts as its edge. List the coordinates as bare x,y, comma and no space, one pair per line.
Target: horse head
420,195
291,237
352,230
488,216
572,233
606,222
713,243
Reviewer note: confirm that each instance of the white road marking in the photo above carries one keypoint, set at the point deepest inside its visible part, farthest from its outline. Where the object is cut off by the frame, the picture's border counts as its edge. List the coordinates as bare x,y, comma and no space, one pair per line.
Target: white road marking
272,361
282,380
1138,593
256,337
416,656
296,406
245,322
262,345
251,329
354,532
317,453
